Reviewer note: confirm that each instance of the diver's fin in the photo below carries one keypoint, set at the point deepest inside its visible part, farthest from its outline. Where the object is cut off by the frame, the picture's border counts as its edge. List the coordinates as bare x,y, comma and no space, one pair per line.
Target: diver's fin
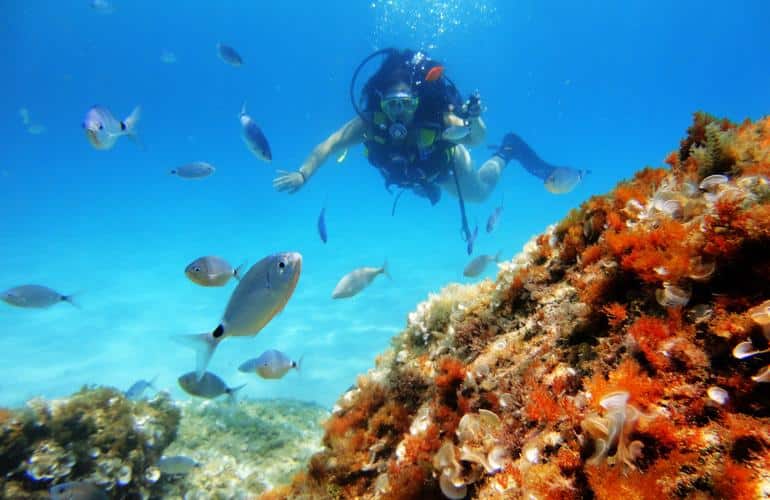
231,393
204,345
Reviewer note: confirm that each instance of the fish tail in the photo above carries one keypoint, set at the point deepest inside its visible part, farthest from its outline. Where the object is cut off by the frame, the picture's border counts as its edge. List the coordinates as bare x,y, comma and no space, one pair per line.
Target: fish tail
231,393
298,364
204,345
132,129
237,271
71,299
385,270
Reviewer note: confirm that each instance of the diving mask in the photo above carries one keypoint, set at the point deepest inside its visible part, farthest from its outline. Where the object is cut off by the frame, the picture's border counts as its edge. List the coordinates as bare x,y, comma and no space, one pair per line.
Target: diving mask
399,105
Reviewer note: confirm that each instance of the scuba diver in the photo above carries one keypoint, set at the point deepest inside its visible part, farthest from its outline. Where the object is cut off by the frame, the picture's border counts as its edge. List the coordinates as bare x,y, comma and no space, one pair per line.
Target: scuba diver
415,128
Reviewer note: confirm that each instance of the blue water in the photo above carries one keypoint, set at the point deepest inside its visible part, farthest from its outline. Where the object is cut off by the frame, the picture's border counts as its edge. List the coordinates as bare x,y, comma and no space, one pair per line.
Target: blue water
608,86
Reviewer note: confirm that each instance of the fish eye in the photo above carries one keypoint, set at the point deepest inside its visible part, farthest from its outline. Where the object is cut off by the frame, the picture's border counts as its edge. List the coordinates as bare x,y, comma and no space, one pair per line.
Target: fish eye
101,127
197,269
282,264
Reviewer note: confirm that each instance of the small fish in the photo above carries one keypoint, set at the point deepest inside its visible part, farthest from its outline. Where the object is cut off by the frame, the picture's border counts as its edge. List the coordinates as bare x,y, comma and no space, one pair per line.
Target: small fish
261,294
24,114
355,281
477,265
136,391
472,239
194,170
229,55
208,386
321,224
102,6
103,129
178,464
342,155
253,137
455,133
270,364
34,296
77,490
564,179
167,57
434,73
211,271
494,217
36,129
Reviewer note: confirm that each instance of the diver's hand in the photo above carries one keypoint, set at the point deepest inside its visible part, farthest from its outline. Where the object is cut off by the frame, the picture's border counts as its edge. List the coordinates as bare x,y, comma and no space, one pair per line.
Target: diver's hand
288,181
473,107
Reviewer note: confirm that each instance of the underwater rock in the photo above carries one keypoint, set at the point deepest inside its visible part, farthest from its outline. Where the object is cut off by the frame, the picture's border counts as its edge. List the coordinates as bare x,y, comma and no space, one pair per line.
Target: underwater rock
243,449
597,364
96,436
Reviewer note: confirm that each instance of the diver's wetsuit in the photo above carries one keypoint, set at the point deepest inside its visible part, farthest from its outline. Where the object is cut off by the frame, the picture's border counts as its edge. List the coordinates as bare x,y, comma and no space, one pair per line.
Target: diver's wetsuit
419,162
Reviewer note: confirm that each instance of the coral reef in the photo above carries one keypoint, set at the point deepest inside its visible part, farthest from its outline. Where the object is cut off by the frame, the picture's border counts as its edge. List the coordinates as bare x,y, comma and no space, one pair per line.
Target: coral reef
622,354
242,449
96,435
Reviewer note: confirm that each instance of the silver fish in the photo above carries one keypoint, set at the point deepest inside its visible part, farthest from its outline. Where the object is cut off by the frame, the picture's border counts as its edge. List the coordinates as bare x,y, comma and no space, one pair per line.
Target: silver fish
270,364
167,57
211,271
253,137
321,224
494,217
208,386
103,129
355,281
136,391
472,239
194,170
34,296
102,6
564,179
77,490
455,133
178,464
477,265
261,294
229,55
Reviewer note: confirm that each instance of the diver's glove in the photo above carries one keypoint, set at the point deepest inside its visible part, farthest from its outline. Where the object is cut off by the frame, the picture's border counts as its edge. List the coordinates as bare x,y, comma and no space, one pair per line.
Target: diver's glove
289,181
472,107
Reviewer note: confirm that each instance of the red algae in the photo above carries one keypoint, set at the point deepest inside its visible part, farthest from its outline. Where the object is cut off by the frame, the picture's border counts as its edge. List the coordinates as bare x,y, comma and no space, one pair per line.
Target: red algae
588,369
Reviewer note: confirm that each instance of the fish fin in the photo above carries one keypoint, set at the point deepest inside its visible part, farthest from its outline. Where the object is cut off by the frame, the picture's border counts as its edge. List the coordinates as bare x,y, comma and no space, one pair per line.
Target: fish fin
71,299
497,255
231,393
132,130
204,345
385,270
298,364
243,109
151,383
237,271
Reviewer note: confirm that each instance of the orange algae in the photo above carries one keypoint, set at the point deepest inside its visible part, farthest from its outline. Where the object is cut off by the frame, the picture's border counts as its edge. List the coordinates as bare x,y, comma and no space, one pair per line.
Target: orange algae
612,254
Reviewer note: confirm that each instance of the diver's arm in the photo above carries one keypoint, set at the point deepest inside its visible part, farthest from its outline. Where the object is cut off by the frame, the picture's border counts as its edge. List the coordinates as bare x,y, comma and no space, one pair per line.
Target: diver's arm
350,134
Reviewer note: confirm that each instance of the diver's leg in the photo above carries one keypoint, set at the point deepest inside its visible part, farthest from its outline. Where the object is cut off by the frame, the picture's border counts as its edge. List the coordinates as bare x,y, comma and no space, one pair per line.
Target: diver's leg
476,186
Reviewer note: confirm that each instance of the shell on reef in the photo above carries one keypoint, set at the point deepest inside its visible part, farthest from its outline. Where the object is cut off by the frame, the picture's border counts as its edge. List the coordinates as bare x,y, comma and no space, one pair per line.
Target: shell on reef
712,181
124,475
718,395
701,271
672,296
700,313
49,461
745,350
763,376
152,474
451,489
